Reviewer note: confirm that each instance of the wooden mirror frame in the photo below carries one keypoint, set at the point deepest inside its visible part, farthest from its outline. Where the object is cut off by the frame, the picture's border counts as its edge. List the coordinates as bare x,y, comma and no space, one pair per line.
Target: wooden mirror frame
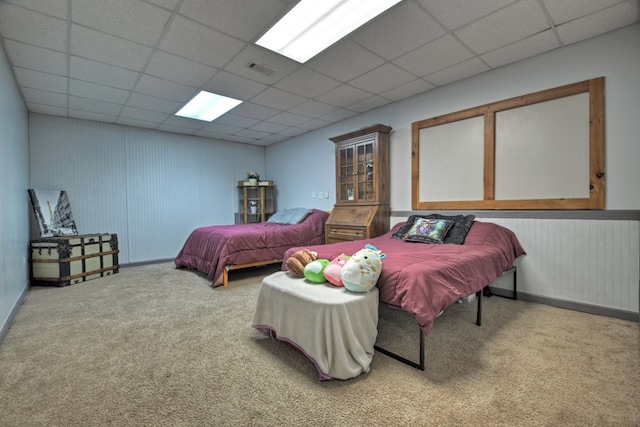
595,89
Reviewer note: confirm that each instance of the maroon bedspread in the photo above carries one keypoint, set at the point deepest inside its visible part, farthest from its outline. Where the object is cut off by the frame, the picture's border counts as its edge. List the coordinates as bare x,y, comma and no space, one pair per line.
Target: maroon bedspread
424,279
210,249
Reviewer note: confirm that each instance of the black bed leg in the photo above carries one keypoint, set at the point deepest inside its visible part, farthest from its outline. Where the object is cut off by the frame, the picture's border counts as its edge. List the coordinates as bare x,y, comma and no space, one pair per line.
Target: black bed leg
479,314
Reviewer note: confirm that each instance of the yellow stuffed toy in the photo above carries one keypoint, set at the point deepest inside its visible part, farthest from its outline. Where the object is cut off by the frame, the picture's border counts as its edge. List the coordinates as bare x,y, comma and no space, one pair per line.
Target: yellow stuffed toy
298,260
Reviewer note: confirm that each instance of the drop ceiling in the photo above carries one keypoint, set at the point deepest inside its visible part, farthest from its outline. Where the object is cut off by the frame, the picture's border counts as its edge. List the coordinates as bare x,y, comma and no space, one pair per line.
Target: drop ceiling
136,62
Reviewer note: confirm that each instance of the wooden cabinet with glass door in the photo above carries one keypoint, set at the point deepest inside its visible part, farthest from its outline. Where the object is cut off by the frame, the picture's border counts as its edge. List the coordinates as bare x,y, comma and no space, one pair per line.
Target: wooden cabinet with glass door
362,185
256,203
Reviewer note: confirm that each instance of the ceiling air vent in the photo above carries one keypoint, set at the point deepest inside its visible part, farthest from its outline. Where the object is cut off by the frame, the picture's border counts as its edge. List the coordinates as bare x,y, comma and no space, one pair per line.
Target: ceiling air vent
261,68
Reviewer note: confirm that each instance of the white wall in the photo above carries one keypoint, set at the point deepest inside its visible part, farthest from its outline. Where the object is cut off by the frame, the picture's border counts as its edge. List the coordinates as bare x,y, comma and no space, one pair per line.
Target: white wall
151,188
14,200
306,162
553,268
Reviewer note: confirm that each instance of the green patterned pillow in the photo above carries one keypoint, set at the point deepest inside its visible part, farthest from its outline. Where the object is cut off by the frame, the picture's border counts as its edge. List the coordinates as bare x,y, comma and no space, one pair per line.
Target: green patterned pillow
428,230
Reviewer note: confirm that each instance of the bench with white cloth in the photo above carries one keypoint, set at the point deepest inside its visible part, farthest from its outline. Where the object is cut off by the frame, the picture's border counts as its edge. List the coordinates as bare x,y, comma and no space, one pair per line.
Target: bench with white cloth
335,328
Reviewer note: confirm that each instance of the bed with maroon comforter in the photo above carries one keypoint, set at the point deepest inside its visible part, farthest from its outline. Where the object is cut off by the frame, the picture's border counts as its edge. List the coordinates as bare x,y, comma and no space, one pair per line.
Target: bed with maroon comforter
213,250
423,279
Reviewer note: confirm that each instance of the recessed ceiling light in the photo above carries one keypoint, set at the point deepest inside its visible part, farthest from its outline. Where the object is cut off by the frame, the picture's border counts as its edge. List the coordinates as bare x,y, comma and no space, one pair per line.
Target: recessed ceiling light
207,106
312,25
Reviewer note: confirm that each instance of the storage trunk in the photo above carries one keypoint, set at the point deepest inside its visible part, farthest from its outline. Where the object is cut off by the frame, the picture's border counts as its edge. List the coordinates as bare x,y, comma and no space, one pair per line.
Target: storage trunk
66,260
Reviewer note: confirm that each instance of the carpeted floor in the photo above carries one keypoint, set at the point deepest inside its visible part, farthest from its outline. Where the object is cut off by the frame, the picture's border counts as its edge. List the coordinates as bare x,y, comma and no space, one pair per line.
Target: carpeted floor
156,346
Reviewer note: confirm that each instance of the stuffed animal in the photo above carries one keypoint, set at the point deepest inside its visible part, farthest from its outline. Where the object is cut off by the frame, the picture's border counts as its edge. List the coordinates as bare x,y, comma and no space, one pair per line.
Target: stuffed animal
313,270
361,272
298,260
332,271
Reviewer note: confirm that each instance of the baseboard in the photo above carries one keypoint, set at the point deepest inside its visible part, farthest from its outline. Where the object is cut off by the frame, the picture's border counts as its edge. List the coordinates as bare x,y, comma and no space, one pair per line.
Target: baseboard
138,264
5,328
570,305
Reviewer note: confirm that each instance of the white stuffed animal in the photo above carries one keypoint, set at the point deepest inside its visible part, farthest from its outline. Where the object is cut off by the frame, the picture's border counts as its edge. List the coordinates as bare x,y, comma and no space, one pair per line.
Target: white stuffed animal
361,272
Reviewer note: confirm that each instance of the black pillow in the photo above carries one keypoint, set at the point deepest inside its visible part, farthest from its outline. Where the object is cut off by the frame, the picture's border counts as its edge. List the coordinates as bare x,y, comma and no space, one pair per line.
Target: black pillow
457,233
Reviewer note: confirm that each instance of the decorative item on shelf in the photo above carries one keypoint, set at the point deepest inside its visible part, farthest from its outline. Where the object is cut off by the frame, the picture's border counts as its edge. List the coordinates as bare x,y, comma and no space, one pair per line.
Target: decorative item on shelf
253,207
254,177
350,193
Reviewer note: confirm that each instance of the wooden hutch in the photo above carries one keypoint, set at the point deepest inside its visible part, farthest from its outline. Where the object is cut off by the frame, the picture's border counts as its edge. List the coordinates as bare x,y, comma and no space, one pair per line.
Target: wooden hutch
362,185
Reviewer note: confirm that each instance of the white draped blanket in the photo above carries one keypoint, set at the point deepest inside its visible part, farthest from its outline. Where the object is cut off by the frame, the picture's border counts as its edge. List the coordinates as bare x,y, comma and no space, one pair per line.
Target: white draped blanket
335,328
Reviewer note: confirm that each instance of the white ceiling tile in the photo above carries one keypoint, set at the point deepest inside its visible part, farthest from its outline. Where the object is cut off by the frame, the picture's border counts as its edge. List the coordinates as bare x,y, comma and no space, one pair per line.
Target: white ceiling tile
236,120
211,135
167,4
146,115
289,119
458,72
313,108
221,129
185,122
39,80
108,49
313,124
526,48
255,111
568,10
455,13
36,58
154,86
99,92
382,79
598,23
228,84
441,53
246,20
273,138
44,97
253,53
268,127
504,27
409,89
136,123
43,31
306,82
394,33
94,106
343,95
251,134
345,61
147,102
176,129
88,115
199,43
96,72
339,115
274,97
293,131
47,109
174,68
369,104
132,20
57,8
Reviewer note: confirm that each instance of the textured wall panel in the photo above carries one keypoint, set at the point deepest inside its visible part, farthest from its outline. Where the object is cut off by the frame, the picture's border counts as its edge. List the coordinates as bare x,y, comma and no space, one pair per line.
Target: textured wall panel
587,261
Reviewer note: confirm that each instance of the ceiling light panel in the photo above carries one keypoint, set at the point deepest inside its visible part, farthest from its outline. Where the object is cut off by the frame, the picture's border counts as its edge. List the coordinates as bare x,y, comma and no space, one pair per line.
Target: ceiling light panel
207,106
312,26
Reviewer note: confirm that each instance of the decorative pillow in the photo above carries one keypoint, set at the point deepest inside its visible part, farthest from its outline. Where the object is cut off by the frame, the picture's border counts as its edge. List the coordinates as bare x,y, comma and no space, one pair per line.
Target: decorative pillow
333,270
428,230
289,216
457,233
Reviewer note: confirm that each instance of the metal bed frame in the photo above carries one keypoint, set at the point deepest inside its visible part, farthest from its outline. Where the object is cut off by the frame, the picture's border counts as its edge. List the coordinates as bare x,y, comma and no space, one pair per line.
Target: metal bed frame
486,292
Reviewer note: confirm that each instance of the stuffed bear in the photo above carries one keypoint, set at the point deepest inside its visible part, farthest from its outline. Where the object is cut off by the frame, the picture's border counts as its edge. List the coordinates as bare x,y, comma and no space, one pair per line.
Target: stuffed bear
332,271
313,270
298,260
361,272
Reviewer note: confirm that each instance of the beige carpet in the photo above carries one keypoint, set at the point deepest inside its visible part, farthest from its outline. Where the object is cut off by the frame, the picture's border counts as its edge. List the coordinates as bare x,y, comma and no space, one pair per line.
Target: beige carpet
155,346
